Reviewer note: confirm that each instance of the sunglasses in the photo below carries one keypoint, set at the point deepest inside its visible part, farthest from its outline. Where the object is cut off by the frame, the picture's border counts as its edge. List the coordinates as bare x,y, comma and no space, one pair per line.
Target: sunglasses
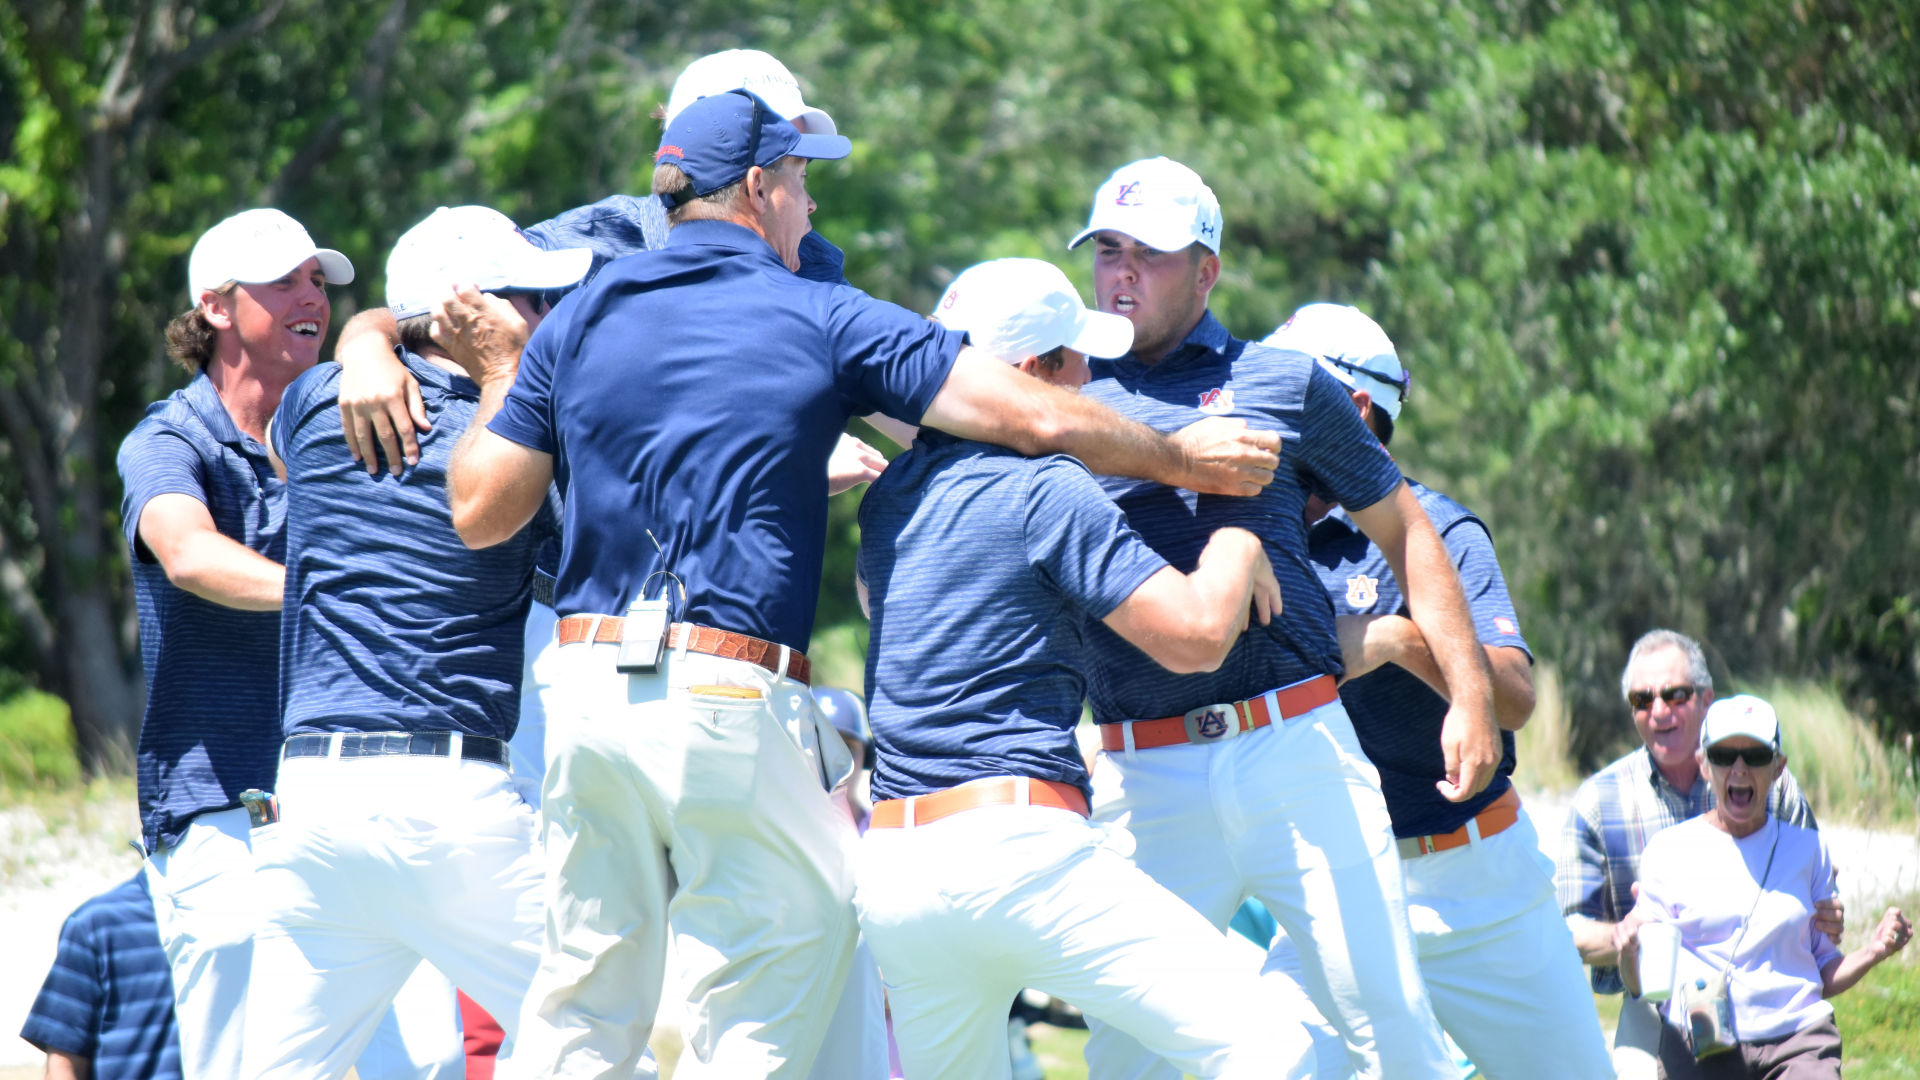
1403,384
541,299
1756,757
1672,695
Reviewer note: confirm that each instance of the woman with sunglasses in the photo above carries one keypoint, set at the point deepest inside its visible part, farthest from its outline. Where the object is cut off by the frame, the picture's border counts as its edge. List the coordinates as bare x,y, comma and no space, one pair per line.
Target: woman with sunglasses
1740,887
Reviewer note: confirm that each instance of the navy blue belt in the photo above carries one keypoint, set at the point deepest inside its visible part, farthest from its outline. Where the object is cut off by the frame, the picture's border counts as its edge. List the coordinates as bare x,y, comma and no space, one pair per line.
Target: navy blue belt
358,744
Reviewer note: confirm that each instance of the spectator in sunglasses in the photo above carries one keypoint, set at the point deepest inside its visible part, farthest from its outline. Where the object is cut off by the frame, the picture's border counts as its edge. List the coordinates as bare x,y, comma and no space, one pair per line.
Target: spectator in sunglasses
1740,886
1667,690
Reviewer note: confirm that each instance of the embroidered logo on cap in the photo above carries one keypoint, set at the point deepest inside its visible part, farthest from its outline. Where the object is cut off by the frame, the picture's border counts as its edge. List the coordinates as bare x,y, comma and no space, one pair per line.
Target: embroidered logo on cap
1129,194
668,150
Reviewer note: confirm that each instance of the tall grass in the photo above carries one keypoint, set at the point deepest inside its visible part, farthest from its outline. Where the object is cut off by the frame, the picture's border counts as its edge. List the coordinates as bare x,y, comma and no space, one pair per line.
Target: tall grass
1544,748
36,743
1847,772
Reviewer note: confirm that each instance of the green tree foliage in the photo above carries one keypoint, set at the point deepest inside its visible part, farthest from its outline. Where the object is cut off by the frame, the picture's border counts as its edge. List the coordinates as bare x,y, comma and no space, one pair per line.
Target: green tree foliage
1653,264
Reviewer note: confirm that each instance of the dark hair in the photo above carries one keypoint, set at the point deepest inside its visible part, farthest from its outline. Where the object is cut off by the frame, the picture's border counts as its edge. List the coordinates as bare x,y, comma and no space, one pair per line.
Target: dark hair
191,338
416,333
1052,360
670,179
1380,423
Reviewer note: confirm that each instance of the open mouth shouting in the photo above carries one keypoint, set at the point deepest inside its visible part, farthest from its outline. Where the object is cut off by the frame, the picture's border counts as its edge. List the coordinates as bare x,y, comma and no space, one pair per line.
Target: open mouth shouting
1740,796
305,328
1123,303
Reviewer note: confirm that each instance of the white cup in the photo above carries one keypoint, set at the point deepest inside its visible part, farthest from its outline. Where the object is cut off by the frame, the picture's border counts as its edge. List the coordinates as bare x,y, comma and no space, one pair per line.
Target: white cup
1659,955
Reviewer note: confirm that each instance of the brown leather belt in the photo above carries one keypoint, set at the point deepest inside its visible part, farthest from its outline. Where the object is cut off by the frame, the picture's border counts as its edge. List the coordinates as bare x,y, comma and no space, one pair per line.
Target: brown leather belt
1217,723
1493,819
605,630
997,791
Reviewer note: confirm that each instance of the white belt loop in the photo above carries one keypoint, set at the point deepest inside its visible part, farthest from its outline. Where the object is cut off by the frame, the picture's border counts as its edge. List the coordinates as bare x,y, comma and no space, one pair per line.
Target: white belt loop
780,669
333,745
455,745
906,814
593,630
1473,830
1274,719
1126,737
1022,791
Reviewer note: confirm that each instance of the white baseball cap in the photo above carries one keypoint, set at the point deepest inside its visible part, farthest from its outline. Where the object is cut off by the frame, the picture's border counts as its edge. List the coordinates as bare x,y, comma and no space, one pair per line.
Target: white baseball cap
477,244
1016,308
747,69
255,246
1352,347
1741,714
1159,202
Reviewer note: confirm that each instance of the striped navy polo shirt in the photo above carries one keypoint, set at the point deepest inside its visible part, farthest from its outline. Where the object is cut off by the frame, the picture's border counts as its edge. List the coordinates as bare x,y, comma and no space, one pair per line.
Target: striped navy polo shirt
1398,717
981,567
1325,450
109,997
392,623
211,727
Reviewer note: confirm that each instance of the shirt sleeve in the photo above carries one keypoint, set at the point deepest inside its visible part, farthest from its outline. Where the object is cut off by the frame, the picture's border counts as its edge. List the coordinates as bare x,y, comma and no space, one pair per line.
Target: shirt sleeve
155,460
66,1015
1336,452
1824,887
1079,542
1493,616
888,359
526,417
1789,803
1579,874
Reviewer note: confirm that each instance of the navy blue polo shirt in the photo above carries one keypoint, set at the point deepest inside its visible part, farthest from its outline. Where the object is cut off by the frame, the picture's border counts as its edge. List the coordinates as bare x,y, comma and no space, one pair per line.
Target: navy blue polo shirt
618,226
393,624
109,996
981,568
211,726
1325,450
1398,717
697,393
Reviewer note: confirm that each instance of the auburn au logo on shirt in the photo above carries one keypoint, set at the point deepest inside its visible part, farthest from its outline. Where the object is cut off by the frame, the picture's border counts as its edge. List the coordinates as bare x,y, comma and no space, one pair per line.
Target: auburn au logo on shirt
1362,591
1216,402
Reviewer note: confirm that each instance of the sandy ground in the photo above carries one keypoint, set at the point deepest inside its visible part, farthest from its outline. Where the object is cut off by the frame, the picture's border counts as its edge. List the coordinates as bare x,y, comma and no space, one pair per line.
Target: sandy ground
52,860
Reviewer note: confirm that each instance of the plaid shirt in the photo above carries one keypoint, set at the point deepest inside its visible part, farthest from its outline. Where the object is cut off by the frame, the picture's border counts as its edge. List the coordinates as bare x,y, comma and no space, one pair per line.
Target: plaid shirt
1614,813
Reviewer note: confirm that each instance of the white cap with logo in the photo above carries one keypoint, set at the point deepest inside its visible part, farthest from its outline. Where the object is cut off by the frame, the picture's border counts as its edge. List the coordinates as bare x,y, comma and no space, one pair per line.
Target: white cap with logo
1016,308
255,246
1352,347
747,69
475,244
1159,202
1741,714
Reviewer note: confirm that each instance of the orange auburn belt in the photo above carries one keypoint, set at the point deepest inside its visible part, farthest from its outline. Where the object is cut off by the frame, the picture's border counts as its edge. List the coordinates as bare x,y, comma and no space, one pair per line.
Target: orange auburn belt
995,791
693,637
1217,723
1494,818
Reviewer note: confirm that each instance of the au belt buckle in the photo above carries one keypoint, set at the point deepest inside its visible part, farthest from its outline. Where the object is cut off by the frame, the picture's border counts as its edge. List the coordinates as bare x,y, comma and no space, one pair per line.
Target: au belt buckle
1212,723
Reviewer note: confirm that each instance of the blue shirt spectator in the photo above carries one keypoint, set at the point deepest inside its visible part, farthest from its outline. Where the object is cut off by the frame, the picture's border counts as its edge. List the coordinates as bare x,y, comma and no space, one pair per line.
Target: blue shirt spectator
981,567
109,997
703,451
1397,717
1325,449
393,623
212,672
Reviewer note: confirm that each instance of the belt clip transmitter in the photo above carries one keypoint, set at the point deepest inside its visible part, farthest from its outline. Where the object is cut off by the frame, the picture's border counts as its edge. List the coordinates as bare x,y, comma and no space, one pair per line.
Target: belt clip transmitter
644,634
642,637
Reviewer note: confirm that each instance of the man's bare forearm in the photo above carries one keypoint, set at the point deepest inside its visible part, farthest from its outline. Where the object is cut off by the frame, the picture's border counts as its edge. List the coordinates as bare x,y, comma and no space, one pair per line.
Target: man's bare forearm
1439,608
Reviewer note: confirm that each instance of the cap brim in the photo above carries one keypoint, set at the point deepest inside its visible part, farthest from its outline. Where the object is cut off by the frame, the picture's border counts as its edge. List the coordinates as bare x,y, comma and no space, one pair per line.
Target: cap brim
337,268
1178,241
1103,335
822,147
818,122
551,269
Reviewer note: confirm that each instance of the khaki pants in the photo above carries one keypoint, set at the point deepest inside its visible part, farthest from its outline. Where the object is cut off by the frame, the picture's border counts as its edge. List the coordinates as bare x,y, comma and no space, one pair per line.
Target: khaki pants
672,808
